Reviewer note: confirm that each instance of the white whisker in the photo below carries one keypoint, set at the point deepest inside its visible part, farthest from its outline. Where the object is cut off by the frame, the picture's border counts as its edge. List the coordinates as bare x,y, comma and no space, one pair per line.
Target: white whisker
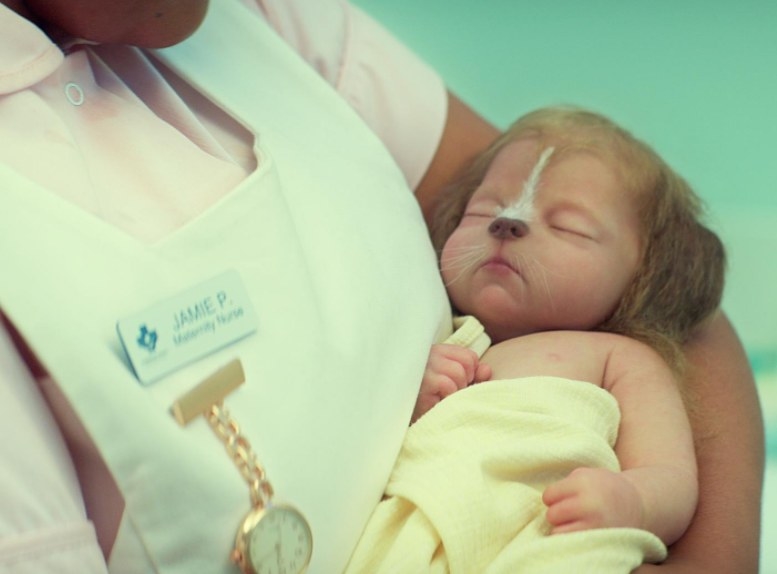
469,257
541,272
454,256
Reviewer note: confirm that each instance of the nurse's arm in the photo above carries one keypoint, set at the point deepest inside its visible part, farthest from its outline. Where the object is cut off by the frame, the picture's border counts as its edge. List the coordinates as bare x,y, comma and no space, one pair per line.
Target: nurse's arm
728,427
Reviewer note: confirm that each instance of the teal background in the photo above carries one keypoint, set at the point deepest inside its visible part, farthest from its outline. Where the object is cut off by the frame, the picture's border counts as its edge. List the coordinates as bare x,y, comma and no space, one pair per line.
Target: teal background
695,79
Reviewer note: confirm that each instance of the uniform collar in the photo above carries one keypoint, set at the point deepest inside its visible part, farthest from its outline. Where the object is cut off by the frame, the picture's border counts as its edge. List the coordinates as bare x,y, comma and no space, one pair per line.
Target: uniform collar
27,55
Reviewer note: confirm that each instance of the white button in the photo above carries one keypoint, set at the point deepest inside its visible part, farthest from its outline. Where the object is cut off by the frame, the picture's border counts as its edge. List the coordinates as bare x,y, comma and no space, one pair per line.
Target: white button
74,93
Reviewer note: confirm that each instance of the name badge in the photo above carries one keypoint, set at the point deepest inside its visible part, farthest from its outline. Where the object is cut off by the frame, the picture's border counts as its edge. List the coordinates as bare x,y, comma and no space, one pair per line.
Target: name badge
187,326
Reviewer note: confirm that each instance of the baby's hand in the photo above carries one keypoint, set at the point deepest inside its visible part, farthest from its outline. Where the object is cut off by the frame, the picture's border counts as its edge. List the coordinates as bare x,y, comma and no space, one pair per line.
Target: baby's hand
449,368
592,498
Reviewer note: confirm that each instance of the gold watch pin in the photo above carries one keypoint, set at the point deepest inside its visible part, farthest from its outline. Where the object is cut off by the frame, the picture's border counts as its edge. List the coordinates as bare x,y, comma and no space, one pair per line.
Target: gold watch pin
209,392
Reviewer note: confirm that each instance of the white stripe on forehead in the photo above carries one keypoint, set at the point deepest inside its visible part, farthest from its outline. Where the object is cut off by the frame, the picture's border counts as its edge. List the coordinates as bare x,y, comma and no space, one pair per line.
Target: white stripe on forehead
523,207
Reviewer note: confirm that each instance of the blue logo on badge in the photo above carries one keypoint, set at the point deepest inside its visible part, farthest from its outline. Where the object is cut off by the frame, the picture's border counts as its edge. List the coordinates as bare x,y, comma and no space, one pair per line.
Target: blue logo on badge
147,339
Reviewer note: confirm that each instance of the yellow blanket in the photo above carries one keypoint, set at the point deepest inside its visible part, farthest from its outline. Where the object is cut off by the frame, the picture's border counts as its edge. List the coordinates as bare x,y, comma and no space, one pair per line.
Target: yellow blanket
465,494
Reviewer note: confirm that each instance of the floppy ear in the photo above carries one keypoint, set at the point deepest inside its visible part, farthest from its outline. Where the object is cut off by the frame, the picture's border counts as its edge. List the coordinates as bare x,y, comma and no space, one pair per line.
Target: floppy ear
701,277
686,285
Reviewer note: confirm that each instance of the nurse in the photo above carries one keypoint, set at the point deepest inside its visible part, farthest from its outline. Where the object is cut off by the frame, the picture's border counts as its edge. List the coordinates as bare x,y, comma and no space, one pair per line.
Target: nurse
139,185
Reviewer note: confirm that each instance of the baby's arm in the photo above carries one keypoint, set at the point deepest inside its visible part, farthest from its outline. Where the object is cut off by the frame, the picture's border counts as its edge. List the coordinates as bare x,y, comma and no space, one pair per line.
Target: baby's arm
657,489
449,369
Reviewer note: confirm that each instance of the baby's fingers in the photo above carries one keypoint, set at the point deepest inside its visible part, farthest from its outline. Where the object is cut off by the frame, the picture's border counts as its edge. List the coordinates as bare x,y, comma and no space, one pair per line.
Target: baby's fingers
483,373
564,512
558,491
459,364
570,527
566,507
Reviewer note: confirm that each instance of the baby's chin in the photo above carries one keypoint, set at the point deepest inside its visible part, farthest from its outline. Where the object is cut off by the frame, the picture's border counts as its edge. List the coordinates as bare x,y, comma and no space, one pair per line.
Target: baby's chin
500,315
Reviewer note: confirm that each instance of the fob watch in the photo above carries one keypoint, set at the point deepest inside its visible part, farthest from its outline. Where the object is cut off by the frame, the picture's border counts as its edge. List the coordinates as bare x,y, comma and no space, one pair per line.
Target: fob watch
273,538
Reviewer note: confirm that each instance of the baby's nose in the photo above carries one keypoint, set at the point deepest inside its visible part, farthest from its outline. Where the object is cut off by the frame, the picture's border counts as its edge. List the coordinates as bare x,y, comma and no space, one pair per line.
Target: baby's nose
508,228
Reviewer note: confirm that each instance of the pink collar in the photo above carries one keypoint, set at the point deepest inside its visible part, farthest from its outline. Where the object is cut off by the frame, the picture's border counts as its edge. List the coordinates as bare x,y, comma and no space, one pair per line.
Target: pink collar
26,53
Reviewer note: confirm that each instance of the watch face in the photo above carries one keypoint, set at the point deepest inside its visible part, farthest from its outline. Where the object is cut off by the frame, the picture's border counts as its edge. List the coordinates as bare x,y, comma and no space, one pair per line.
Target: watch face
280,542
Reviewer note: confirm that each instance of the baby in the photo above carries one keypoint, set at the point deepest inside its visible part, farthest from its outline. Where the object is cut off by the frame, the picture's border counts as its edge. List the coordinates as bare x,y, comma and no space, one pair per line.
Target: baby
582,254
